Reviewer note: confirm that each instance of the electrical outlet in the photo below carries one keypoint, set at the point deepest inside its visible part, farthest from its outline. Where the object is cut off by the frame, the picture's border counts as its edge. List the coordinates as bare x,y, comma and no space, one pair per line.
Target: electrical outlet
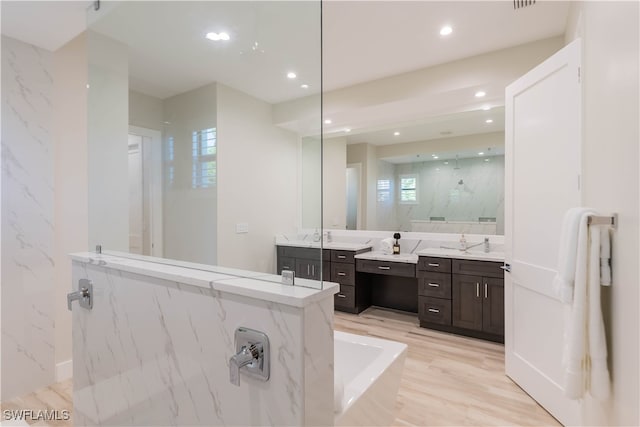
242,227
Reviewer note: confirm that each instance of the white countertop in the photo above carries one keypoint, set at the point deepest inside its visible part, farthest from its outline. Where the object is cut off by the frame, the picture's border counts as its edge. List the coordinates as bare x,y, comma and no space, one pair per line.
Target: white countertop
379,256
456,253
341,246
259,286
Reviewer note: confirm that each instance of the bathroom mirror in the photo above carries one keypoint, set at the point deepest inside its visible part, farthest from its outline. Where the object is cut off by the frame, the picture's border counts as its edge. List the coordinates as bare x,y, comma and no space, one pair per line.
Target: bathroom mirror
188,159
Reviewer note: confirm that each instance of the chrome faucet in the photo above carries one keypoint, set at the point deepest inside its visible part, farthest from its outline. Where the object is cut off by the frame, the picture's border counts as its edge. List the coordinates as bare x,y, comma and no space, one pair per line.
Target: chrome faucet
329,237
252,355
487,246
245,357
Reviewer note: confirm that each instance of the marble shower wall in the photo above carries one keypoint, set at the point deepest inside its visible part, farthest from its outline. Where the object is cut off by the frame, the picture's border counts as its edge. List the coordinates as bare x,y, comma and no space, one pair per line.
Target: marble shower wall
27,278
154,351
440,193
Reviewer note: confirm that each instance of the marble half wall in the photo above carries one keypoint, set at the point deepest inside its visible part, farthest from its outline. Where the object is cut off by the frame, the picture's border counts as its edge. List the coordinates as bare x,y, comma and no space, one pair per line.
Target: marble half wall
27,285
154,351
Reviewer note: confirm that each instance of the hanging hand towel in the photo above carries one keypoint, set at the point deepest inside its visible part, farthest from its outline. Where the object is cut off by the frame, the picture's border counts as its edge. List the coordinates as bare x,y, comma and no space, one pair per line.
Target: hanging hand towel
567,251
605,257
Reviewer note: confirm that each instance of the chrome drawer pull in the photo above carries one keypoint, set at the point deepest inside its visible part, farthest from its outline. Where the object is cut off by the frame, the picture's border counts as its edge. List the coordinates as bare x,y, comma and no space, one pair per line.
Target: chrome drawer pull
434,310
341,296
477,290
286,267
342,256
433,265
342,274
433,285
384,268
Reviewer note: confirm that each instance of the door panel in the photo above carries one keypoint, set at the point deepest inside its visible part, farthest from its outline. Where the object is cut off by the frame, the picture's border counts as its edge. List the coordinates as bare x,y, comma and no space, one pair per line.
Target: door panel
493,306
542,175
467,301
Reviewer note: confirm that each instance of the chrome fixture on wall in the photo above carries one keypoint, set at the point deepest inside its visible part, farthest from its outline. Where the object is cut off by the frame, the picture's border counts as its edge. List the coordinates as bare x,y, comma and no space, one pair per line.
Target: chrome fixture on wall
84,295
252,355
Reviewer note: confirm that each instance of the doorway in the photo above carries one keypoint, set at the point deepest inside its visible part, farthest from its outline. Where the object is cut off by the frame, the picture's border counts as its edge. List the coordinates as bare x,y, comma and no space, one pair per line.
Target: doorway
145,192
353,196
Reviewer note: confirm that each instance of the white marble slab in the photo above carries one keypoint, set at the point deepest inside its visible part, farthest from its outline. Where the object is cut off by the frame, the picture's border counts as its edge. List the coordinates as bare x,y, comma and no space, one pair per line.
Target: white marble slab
455,253
379,256
156,352
342,246
28,285
254,287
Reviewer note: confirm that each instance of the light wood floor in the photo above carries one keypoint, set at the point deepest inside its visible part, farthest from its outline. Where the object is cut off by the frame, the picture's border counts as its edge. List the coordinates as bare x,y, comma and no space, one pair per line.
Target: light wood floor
447,380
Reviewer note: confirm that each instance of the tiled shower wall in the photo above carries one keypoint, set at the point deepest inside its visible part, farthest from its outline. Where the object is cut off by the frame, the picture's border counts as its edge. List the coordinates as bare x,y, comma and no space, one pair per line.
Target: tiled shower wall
27,266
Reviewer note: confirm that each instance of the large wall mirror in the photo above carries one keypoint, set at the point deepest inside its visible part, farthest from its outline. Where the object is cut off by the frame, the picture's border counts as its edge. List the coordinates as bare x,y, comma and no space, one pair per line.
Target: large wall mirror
189,157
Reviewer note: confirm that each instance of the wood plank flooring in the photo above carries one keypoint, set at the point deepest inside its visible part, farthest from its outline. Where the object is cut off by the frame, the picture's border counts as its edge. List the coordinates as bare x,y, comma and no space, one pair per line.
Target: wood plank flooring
447,380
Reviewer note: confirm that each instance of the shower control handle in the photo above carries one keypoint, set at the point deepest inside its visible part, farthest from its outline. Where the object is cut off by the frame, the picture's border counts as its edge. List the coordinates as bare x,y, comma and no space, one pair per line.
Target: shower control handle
84,295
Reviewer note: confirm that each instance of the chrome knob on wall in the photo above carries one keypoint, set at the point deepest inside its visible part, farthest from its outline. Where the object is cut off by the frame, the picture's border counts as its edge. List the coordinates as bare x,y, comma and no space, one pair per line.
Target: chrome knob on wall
84,295
252,355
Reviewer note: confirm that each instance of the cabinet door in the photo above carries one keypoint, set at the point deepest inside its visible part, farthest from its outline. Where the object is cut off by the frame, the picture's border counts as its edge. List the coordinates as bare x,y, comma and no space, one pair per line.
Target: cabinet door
493,305
467,301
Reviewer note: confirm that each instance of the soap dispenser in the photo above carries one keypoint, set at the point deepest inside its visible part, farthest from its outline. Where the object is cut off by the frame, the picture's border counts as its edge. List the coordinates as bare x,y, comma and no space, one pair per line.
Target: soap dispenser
396,245
463,243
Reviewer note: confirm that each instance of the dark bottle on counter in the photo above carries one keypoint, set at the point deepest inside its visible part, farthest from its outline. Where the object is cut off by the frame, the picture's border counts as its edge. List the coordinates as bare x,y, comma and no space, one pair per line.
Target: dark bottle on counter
396,245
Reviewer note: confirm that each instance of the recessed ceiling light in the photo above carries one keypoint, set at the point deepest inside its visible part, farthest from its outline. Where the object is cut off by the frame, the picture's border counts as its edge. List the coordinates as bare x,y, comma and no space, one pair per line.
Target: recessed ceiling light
347,130
480,94
481,154
435,157
327,121
446,163
446,30
489,121
486,107
304,86
291,75
437,169
396,133
486,160
218,36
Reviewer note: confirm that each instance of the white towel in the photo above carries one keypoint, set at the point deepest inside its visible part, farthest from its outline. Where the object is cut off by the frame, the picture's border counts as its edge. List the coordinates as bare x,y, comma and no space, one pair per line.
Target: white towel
386,246
605,257
585,351
567,252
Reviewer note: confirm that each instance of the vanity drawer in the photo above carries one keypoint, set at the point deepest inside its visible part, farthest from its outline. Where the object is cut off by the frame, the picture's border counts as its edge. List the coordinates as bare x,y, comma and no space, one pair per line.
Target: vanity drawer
346,297
343,273
385,267
435,285
342,256
287,263
478,268
439,265
434,310
304,253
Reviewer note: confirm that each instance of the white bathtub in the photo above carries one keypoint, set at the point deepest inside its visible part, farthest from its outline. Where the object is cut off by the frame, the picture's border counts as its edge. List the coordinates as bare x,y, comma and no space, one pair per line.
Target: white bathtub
370,369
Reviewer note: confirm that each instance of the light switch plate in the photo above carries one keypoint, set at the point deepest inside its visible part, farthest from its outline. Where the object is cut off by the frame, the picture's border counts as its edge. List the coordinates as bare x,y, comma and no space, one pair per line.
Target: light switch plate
242,227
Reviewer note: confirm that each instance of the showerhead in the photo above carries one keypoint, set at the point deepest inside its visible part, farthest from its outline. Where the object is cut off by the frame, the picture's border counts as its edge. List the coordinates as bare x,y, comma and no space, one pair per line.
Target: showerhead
461,182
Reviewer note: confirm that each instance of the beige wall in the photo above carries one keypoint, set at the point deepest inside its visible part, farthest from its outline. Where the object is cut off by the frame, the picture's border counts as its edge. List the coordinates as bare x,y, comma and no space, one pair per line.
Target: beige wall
366,155
443,145
310,179
257,181
609,31
71,169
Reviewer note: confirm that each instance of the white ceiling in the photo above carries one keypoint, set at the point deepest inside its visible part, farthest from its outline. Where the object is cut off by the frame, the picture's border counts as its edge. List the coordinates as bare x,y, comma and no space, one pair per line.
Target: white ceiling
448,158
362,40
46,24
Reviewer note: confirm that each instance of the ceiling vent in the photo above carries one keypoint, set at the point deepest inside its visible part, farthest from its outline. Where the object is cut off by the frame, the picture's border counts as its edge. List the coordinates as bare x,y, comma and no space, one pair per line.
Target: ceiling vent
519,4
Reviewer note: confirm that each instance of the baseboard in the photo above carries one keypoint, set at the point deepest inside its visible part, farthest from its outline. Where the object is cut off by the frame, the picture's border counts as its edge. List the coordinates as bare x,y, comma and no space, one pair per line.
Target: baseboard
64,370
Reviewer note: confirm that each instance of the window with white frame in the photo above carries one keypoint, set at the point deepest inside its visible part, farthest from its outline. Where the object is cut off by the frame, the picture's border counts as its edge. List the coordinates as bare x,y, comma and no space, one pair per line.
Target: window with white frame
204,163
169,161
384,190
409,188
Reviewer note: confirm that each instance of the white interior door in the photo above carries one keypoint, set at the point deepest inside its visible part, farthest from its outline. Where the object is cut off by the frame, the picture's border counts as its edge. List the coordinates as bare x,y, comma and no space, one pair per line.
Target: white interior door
136,208
543,161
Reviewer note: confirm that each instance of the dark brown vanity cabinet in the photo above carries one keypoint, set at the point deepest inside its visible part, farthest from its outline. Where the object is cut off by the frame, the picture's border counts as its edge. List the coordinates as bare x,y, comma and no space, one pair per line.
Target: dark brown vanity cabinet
478,296
305,262
338,266
462,296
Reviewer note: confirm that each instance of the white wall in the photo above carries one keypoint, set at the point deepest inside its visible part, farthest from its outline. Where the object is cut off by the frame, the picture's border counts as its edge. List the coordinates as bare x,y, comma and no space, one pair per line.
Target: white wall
443,145
71,169
27,200
190,214
334,181
257,181
366,155
145,111
611,183
310,179
108,129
